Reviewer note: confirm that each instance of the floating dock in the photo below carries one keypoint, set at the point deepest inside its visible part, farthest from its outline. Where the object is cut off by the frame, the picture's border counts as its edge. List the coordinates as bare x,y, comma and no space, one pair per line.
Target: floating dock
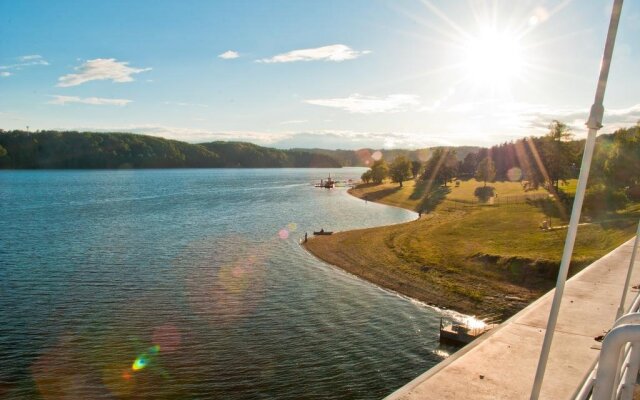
502,363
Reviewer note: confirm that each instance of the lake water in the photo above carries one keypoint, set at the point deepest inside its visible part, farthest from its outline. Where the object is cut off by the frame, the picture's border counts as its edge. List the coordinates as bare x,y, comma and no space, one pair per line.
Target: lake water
191,284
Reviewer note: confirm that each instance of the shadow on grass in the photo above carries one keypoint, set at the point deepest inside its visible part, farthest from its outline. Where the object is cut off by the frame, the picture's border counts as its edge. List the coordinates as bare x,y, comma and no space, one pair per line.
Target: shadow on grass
434,197
551,207
379,194
419,189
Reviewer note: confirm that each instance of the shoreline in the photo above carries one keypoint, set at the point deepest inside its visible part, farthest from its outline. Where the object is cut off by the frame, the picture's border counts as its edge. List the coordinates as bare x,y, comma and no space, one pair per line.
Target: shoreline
482,261
442,310
397,288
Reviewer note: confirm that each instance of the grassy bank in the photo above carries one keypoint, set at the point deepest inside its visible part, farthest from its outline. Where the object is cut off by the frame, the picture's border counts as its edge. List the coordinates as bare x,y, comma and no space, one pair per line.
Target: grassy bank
472,257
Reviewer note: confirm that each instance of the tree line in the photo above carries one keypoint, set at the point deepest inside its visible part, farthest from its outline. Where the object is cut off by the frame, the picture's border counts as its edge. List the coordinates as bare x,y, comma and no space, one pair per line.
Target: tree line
535,161
86,150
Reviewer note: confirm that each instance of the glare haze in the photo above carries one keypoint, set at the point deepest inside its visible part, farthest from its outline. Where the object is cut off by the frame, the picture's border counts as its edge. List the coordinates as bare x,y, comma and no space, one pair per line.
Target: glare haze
331,74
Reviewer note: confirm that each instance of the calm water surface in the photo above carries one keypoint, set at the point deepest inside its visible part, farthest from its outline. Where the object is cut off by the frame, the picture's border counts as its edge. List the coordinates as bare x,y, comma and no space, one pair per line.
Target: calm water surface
191,284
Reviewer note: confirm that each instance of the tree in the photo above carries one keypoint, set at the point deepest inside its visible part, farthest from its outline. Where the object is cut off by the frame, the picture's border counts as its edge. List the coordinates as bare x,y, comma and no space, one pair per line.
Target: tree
469,164
366,176
379,171
555,153
622,167
442,166
486,170
400,169
416,168
559,131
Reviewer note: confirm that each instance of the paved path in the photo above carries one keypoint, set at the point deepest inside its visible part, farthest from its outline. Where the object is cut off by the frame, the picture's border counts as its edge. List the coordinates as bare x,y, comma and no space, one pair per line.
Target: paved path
502,364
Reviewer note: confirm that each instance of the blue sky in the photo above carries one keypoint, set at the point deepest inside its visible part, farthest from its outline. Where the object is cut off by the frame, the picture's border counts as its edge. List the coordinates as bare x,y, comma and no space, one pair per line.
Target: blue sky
333,74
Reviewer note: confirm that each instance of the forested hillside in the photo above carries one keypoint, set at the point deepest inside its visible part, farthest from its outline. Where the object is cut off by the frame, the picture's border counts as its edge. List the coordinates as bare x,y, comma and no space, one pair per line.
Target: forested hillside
59,150
363,157
249,155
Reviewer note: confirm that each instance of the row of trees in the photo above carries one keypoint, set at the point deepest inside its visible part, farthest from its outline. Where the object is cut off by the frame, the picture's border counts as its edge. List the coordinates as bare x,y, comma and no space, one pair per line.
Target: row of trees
400,170
540,161
442,167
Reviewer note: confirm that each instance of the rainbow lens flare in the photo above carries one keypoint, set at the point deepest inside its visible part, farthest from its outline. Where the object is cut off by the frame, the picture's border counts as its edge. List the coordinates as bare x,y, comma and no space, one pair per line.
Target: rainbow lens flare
144,359
140,362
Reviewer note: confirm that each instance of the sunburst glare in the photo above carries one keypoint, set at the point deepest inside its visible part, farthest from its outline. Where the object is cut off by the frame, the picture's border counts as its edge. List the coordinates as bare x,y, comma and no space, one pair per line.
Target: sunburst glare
493,59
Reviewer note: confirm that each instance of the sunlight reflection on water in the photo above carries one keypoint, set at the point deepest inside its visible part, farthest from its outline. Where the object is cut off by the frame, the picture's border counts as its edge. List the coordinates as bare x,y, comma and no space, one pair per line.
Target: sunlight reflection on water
105,265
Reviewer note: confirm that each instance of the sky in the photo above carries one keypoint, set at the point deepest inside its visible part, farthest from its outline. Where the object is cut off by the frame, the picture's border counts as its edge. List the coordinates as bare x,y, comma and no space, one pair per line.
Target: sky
325,73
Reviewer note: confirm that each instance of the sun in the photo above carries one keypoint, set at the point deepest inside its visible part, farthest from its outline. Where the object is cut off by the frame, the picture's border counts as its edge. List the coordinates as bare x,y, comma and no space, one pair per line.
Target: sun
492,59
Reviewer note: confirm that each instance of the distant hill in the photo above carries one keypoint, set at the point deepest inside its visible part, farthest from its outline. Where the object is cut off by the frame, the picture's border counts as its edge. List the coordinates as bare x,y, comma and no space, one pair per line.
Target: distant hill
358,158
113,150
249,155
87,150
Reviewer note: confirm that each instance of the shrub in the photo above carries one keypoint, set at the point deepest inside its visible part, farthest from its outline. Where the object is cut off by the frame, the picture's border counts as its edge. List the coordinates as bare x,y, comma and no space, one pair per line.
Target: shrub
483,193
599,199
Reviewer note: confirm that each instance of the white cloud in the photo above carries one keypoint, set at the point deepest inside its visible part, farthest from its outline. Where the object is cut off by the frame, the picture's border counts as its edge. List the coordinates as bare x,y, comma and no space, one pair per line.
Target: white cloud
33,58
96,101
614,118
229,55
293,121
5,74
348,139
633,111
101,69
26,61
183,104
336,52
357,103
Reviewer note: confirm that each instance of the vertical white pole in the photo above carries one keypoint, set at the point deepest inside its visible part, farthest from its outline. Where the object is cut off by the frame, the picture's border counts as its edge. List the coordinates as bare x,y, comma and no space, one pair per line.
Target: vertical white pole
593,123
632,372
629,272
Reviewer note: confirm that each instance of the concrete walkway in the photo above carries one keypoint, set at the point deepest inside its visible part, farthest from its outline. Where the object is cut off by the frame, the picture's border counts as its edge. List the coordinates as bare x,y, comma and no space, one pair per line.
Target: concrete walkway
502,364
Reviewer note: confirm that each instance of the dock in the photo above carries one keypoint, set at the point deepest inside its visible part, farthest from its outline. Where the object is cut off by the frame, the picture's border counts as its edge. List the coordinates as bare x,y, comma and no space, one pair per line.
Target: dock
501,364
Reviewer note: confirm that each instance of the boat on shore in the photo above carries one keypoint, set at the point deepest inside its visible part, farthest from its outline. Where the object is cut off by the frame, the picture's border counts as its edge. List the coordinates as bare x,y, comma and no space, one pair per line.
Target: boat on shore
327,184
331,183
460,333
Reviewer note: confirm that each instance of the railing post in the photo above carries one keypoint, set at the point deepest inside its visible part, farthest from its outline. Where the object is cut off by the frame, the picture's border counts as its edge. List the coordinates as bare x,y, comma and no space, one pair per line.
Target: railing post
623,299
594,123
630,376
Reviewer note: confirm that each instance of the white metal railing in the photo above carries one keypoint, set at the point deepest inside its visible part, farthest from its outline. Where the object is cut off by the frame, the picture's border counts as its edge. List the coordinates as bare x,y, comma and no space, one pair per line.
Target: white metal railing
614,376
612,382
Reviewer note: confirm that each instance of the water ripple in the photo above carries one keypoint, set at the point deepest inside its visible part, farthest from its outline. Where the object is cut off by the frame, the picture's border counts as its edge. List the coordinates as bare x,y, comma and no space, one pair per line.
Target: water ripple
97,268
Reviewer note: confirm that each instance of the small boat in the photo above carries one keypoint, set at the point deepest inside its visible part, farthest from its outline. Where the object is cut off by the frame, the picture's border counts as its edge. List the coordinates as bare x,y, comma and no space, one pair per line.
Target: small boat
460,333
328,184
322,232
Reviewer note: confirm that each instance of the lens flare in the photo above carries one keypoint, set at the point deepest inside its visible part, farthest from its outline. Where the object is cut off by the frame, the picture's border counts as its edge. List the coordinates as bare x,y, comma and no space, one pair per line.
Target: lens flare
377,156
283,234
224,287
167,337
423,155
292,227
140,363
364,156
514,174
144,359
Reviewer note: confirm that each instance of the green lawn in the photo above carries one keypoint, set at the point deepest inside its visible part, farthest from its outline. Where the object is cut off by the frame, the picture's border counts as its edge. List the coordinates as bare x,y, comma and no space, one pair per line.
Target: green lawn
568,186
408,196
465,192
468,258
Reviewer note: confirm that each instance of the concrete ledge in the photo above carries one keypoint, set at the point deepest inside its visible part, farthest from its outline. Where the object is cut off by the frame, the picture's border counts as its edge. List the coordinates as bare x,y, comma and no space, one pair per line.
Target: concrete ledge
502,363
